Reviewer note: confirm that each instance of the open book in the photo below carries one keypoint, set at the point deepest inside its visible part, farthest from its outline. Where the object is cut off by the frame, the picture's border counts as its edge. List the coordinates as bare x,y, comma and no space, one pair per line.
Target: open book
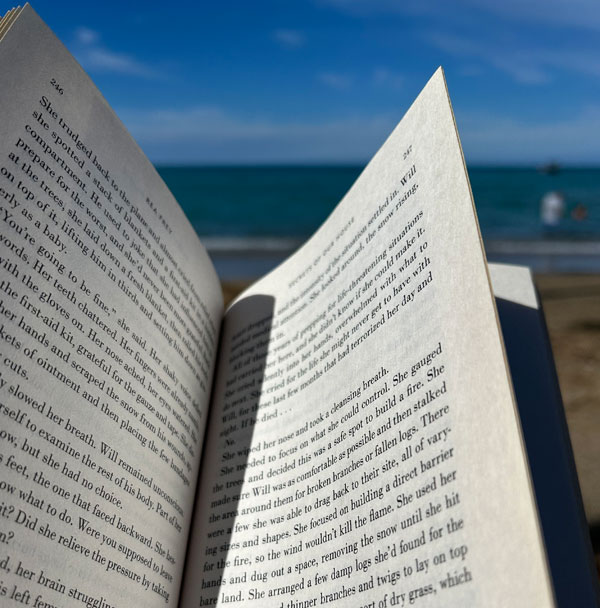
344,434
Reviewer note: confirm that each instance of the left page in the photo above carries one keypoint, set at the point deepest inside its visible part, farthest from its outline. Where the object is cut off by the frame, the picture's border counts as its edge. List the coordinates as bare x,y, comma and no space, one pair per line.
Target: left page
109,316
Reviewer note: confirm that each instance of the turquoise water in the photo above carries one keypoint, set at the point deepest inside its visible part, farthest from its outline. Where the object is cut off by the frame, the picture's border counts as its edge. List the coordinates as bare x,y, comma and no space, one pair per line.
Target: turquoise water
294,201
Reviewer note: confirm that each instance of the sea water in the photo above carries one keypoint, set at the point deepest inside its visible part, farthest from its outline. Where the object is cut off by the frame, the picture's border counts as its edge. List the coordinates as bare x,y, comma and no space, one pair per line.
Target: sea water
294,201
253,204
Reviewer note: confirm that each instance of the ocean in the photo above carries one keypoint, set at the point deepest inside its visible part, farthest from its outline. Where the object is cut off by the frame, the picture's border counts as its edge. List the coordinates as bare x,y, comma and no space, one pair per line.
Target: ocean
254,209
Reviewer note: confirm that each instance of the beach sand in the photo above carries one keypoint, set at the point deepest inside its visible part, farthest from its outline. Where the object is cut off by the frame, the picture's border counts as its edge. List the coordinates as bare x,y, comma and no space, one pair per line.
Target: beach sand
572,307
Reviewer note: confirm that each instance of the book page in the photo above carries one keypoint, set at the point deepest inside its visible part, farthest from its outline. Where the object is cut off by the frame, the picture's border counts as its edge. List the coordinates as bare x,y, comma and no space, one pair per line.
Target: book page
364,447
8,19
109,315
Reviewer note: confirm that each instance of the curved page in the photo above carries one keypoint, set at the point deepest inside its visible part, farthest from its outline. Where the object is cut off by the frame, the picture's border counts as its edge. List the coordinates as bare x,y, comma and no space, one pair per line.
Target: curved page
364,447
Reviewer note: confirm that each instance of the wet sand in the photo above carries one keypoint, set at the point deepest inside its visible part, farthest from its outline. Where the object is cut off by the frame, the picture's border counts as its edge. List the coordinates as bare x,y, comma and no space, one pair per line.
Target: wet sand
572,308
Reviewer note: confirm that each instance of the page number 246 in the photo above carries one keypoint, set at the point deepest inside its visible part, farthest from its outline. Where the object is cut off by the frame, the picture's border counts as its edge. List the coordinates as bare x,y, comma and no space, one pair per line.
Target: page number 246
56,85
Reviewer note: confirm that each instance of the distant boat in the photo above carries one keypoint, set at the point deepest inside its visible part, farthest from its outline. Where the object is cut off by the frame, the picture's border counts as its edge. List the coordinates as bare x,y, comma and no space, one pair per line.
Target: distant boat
551,168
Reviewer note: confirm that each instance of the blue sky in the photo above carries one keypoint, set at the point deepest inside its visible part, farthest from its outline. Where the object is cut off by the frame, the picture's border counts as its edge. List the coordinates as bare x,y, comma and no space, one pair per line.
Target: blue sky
312,81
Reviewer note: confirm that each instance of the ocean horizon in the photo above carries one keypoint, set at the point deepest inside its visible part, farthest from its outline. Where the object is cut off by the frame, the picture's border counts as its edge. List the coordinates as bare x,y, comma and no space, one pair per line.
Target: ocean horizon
267,211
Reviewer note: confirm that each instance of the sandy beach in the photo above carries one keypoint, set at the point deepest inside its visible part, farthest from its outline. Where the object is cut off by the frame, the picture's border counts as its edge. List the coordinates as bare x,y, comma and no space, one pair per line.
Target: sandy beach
572,307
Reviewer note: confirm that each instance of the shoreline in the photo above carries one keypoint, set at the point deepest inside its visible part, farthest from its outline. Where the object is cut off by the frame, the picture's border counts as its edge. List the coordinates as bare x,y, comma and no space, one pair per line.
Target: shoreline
242,258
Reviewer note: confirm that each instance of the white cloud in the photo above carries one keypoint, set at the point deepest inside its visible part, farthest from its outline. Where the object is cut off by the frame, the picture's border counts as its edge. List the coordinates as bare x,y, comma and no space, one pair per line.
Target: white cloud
523,70
577,60
379,77
335,80
93,56
499,139
362,7
195,122
525,64
496,33
85,35
291,39
487,32
387,77
210,135
560,13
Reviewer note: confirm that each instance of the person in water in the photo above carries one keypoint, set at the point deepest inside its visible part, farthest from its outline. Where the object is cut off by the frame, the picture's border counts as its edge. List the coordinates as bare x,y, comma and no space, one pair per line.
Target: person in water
552,208
579,212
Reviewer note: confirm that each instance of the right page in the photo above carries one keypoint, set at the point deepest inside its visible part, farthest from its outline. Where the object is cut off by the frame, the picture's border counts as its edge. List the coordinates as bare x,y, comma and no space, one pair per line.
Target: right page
364,447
